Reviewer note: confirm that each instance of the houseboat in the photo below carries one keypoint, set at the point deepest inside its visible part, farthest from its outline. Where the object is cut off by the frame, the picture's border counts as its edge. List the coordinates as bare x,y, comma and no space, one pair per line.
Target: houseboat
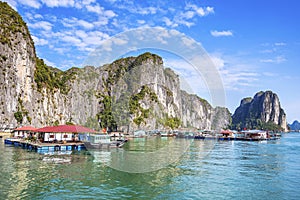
100,141
255,135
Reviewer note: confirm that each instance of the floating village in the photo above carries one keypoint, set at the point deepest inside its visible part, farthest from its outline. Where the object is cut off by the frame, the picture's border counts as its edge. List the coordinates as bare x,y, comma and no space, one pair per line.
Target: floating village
68,138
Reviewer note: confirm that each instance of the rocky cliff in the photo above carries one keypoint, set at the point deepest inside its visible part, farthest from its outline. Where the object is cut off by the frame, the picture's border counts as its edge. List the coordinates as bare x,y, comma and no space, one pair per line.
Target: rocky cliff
134,92
263,111
17,63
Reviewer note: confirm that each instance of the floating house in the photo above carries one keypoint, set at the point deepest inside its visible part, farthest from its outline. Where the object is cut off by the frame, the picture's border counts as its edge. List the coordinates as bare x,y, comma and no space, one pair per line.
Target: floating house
64,133
227,133
139,133
256,134
23,132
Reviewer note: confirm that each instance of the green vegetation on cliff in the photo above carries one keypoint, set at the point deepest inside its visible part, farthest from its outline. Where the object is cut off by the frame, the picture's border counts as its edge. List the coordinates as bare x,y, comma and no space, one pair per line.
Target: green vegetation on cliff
53,78
257,124
172,122
135,107
105,117
148,56
21,112
10,24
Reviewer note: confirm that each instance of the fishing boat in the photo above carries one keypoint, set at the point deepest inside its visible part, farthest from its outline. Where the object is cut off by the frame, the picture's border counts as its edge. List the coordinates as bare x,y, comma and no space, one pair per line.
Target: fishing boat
101,141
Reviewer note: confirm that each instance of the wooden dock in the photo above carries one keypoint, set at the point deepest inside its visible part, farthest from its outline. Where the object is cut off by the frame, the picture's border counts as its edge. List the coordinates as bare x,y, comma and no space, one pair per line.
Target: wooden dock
45,147
4,134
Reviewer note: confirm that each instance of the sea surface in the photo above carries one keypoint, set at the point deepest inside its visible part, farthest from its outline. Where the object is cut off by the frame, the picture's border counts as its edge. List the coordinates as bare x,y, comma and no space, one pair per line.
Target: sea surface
204,170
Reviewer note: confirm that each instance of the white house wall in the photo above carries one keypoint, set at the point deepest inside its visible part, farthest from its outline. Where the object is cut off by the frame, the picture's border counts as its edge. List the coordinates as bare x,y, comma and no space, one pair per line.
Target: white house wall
58,137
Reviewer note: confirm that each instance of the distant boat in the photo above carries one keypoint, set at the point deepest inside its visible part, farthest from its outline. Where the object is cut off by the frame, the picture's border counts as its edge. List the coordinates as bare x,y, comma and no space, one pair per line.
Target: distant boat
100,141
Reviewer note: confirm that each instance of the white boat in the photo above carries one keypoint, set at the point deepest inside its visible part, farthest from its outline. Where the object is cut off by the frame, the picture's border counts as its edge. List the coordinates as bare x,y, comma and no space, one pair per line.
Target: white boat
101,141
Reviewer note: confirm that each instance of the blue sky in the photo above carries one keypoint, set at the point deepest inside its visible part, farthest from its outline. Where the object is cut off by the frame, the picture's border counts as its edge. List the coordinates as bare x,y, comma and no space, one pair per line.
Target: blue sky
254,44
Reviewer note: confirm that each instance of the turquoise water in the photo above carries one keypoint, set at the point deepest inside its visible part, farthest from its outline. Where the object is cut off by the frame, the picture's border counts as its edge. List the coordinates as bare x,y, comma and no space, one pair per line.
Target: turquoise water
228,170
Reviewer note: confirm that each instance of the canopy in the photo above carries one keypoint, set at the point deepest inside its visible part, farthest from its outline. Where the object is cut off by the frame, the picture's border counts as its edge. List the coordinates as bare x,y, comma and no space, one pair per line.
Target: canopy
65,129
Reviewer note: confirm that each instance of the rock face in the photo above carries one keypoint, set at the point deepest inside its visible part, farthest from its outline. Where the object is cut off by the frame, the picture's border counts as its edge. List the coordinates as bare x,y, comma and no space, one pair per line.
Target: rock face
130,93
261,112
295,126
17,63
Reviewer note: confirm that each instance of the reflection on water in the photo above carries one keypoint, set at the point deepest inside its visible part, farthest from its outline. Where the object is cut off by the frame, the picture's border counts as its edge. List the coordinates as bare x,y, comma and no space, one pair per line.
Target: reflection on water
207,170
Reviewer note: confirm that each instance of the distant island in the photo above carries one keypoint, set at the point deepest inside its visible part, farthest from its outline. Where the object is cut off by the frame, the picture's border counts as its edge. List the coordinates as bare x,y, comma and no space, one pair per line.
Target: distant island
129,94
295,126
263,111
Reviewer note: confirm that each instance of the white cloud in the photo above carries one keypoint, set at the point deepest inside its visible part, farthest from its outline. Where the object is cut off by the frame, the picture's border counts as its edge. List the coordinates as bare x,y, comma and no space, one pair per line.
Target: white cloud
141,21
119,41
270,74
83,40
185,22
49,63
59,3
47,26
74,22
82,34
87,2
188,42
94,38
111,1
146,10
109,13
71,39
39,41
234,72
188,15
100,11
101,21
60,50
85,24
269,50
280,44
169,23
201,11
221,33
38,16
178,20
218,61
96,9
30,3
277,60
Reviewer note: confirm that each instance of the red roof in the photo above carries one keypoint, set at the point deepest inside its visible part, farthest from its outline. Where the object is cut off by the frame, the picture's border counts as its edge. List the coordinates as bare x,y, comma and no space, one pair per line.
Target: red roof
25,128
65,129
226,132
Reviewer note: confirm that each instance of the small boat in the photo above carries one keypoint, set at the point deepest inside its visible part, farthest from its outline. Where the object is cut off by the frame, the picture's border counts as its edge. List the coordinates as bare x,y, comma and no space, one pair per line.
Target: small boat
100,141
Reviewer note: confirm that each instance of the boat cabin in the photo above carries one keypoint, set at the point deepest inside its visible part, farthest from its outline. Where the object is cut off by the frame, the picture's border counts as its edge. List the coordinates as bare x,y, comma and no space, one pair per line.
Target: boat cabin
94,138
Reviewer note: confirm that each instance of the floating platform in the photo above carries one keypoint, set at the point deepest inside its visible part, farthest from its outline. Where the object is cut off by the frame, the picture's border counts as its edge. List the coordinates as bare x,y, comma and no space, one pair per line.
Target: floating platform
4,134
233,138
44,148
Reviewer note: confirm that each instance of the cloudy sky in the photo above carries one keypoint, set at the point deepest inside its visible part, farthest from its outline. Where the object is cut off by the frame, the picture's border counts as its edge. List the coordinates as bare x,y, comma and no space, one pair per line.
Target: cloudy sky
253,44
